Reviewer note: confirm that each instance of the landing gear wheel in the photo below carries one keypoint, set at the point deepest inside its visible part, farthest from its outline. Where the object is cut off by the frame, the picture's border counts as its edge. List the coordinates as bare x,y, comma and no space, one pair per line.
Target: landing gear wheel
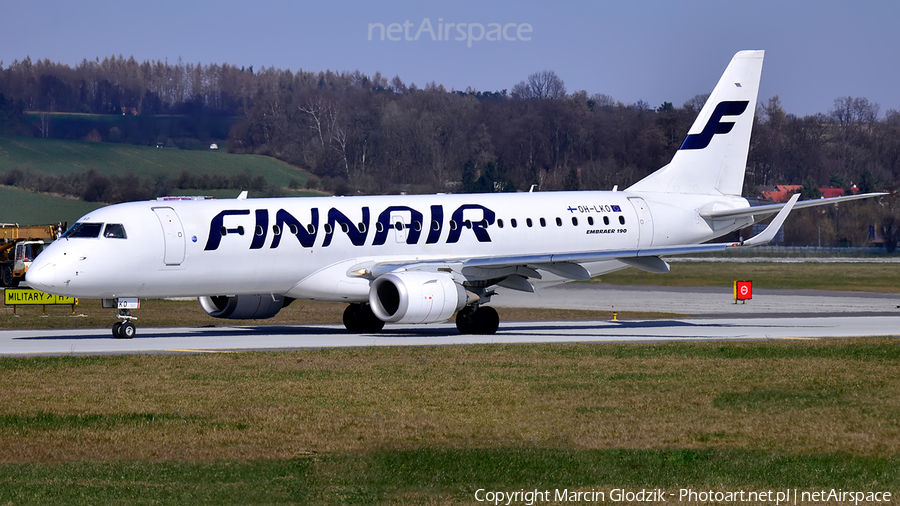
487,321
464,321
128,330
483,320
6,275
124,330
359,319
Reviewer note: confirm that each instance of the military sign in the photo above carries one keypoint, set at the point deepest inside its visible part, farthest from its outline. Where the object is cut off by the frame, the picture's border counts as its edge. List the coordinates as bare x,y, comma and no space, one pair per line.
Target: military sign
23,296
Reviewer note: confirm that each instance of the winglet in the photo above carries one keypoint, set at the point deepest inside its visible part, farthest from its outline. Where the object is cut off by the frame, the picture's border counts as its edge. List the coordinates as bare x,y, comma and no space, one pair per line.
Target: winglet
769,233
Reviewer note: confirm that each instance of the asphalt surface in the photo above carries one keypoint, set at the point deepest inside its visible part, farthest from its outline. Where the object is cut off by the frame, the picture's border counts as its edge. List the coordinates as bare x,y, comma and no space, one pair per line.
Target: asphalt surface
772,314
703,301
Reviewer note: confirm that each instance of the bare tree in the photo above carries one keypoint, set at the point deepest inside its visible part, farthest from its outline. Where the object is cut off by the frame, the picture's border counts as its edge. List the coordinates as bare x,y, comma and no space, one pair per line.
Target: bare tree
540,85
44,125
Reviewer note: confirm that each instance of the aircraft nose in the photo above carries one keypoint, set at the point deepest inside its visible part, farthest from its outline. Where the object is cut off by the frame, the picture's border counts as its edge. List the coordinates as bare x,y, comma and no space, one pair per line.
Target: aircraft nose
41,275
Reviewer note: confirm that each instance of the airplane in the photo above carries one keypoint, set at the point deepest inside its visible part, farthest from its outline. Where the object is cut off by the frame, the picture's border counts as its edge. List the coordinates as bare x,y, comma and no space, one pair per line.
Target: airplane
419,258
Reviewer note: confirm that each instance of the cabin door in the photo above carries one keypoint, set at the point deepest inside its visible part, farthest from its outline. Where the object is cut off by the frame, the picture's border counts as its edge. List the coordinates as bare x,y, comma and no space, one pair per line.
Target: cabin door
173,233
645,222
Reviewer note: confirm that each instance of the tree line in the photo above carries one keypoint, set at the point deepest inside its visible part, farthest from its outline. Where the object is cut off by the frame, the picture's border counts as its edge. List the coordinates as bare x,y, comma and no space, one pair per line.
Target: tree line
371,134
92,186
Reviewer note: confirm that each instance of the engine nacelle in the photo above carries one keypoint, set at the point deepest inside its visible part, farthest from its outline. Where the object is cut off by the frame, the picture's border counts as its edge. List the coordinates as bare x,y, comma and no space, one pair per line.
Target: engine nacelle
243,307
416,297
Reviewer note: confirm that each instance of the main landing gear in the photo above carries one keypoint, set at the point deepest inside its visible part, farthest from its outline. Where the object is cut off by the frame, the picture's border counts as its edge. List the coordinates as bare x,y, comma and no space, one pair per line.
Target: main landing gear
359,318
482,320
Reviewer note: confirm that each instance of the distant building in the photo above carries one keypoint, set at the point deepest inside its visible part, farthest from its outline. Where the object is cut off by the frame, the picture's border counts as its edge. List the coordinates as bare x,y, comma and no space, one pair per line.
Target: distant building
782,192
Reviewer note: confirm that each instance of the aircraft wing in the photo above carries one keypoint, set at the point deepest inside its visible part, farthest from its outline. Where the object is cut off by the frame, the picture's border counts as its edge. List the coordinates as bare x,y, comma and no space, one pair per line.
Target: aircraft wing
774,208
567,265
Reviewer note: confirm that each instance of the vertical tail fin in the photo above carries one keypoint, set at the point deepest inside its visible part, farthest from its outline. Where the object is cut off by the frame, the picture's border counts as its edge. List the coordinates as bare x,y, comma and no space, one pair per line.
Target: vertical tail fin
712,159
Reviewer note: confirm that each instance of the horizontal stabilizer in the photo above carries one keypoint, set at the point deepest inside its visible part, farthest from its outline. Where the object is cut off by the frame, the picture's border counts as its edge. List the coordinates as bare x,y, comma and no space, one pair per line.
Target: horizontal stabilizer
774,208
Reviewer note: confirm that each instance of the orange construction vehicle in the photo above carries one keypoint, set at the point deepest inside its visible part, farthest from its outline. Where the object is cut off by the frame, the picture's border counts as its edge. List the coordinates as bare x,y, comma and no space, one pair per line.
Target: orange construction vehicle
19,246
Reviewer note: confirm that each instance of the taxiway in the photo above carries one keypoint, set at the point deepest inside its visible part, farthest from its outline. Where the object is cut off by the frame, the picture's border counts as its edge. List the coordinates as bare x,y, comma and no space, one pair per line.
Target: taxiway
772,314
267,337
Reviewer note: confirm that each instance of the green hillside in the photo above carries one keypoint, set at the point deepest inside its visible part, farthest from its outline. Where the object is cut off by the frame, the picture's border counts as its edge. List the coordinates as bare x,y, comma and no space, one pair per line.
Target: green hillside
58,157
26,208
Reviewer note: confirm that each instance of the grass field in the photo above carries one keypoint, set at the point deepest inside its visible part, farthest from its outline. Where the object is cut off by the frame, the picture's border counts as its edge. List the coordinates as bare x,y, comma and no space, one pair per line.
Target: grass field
868,277
27,208
57,157
433,425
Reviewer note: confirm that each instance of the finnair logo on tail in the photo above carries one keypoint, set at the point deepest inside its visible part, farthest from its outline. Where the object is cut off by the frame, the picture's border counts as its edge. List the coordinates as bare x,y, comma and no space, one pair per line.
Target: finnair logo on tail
715,125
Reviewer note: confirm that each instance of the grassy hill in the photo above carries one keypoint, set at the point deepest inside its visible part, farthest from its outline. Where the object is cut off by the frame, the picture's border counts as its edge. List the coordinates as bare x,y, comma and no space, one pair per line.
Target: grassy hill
55,157
27,208
58,157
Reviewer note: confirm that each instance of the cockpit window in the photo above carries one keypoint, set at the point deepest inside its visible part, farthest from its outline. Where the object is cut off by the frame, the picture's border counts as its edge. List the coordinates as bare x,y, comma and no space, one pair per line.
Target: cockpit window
115,231
89,230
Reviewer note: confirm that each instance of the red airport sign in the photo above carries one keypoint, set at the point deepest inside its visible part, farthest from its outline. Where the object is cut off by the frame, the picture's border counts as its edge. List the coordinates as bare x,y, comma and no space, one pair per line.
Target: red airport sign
743,290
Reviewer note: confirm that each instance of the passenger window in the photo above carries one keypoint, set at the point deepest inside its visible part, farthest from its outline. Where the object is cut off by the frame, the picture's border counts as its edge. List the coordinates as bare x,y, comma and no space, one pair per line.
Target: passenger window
543,222
574,221
621,219
512,221
500,223
115,231
591,221
606,220
558,221
528,222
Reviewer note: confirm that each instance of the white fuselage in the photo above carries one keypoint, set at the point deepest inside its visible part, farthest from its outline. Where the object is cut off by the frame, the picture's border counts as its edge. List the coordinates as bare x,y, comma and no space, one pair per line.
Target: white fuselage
304,247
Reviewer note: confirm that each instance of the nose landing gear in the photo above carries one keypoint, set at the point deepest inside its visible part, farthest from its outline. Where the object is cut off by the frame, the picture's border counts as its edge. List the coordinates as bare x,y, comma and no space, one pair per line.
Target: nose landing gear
126,328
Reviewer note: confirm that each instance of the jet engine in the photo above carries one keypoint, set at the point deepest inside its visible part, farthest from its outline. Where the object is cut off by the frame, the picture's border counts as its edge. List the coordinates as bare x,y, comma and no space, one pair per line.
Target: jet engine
416,297
243,307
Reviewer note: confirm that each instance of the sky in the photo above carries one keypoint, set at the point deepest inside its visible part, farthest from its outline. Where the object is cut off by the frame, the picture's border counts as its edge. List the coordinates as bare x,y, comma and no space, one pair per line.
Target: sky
632,50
